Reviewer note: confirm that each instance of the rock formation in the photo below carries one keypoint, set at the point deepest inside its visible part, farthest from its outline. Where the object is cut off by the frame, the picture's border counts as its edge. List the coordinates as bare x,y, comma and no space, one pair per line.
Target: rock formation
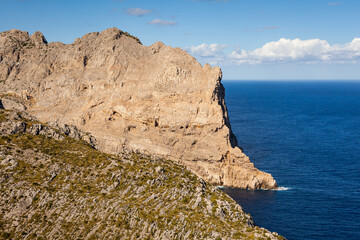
154,99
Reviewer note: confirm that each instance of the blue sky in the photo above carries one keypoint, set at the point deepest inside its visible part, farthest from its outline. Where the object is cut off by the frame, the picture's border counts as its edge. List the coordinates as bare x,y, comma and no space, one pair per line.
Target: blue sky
248,39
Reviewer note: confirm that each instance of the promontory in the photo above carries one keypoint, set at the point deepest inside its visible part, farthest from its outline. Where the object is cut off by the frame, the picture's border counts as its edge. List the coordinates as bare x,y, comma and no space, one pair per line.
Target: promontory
154,100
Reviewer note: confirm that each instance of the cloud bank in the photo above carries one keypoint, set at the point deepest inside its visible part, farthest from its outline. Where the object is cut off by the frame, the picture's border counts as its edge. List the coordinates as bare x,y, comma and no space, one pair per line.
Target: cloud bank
297,50
205,50
209,53
309,51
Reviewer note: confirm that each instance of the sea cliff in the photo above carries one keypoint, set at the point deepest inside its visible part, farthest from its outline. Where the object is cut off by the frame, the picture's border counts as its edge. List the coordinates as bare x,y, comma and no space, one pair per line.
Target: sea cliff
154,100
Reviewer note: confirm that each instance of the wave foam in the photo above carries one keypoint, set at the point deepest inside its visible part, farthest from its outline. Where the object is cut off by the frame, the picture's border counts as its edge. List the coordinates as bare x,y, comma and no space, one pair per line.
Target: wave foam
282,189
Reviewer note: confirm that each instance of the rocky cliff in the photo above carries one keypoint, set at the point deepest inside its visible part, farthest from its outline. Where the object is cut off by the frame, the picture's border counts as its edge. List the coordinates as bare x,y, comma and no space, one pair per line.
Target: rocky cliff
56,187
154,99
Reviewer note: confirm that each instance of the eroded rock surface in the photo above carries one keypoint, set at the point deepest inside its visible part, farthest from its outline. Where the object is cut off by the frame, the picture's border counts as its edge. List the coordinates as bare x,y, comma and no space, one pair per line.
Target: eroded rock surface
154,99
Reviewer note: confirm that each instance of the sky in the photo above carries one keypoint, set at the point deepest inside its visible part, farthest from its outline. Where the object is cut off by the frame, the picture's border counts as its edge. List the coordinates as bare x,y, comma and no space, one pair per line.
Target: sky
248,39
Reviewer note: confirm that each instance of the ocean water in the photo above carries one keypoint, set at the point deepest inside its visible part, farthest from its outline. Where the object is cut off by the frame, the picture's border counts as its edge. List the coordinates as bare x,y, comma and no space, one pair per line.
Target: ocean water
307,135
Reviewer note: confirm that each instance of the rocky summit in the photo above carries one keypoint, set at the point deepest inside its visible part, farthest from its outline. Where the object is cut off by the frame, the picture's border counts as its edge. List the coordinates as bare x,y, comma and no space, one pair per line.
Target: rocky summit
155,100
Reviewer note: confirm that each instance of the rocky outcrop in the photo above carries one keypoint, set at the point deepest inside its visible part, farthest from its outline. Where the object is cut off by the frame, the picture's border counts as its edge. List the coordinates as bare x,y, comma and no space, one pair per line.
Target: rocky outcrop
55,187
154,99
19,125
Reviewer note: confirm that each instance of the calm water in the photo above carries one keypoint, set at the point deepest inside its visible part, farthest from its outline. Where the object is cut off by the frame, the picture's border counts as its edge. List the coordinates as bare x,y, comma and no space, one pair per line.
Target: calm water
307,135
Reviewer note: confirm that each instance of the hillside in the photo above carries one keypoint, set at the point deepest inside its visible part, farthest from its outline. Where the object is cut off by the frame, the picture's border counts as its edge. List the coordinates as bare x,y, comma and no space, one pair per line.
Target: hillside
57,187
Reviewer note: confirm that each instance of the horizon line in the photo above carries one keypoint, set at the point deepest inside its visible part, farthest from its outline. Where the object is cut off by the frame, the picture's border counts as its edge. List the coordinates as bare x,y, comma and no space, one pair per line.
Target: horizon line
258,79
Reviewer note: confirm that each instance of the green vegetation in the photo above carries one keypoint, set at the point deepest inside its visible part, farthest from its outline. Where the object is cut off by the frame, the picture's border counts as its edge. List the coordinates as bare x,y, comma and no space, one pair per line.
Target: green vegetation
67,189
133,37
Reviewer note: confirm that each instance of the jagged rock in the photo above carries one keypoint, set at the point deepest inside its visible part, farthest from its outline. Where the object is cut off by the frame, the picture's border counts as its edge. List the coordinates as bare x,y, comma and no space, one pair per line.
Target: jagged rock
16,123
10,127
153,99
74,132
39,129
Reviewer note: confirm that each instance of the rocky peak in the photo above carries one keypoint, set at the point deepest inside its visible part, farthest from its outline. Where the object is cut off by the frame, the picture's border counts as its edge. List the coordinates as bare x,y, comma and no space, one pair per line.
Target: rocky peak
111,34
38,38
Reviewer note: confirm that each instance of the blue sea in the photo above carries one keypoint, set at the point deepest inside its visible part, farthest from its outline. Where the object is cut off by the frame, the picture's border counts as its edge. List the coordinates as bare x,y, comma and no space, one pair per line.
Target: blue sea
307,135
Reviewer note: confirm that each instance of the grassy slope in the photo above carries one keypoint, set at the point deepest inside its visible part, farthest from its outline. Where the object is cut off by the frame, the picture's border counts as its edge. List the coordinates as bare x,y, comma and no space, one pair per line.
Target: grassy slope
54,189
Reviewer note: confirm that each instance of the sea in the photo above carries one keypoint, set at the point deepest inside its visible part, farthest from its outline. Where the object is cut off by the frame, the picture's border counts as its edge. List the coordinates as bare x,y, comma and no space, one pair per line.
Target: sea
307,135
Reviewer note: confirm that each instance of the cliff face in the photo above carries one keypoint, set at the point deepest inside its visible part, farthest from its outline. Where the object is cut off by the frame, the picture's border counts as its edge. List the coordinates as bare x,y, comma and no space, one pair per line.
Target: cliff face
156,100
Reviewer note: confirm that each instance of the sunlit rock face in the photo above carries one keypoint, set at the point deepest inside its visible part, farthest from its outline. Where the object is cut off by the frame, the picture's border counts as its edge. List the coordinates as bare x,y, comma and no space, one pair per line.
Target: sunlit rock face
153,99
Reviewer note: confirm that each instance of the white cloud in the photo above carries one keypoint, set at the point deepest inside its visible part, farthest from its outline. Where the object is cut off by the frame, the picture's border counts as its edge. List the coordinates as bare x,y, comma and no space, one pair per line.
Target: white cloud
137,11
205,50
209,53
296,50
162,22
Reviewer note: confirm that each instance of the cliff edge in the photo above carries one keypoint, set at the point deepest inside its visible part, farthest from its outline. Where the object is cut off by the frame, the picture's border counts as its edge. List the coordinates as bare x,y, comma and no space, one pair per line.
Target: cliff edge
154,99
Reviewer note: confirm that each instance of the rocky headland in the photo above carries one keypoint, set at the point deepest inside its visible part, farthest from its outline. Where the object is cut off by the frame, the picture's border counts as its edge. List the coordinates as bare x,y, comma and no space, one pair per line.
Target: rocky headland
154,100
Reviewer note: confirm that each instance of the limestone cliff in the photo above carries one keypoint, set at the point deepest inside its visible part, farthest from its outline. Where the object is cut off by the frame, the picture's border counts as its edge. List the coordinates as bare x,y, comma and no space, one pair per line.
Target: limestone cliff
154,99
